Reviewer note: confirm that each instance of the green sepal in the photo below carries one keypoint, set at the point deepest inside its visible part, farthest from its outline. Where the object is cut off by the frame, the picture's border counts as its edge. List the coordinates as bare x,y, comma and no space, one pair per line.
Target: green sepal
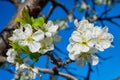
19,48
19,60
34,56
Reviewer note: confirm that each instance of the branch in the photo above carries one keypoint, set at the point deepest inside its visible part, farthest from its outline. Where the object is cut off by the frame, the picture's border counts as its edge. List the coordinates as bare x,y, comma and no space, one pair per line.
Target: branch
89,71
58,63
50,11
50,71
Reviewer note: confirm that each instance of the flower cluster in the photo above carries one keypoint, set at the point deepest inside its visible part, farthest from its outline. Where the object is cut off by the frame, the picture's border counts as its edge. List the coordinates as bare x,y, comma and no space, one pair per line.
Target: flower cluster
24,72
36,39
86,40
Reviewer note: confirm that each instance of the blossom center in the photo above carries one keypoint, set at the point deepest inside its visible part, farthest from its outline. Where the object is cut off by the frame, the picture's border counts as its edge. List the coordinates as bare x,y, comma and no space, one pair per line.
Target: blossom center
29,39
84,41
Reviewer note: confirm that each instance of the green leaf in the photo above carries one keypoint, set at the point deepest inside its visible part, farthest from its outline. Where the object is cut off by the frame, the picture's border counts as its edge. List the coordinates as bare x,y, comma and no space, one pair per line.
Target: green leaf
26,19
38,22
20,20
26,16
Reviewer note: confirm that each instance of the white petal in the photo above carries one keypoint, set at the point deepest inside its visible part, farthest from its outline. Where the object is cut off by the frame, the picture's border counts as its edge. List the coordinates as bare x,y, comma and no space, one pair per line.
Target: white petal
76,47
97,31
38,35
76,36
87,35
49,23
53,28
42,51
93,50
76,23
56,38
84,48
23,43
23,66
93,60
11,52
17,66
73,55
28,29
69,48
80,62
34,46
105,44
48,34
10,59
18,35
91,43
99,47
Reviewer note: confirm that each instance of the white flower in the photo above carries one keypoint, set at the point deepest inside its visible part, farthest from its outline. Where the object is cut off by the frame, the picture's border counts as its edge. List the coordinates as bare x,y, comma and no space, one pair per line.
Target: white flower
74,48
83,25
84,41
24,71
51,29
11,55
103,38
23,66
46,45
18,34
83,57
28,38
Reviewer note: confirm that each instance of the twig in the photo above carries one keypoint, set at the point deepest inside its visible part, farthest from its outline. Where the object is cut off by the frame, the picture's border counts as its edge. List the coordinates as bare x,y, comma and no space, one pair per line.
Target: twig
68,76
56,62
89,71
50,11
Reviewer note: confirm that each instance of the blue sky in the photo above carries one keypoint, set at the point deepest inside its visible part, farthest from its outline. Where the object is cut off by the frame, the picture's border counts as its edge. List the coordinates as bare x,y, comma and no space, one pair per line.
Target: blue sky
106,69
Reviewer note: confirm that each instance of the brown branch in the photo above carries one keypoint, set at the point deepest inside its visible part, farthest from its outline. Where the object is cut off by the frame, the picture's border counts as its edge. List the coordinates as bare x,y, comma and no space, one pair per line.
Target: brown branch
89,8
50,71
58,63
50,11
89,71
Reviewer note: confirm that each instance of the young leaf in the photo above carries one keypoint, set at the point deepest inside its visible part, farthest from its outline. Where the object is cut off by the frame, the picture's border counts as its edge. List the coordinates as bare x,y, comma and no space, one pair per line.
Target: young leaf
38,22
26,16
20,20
